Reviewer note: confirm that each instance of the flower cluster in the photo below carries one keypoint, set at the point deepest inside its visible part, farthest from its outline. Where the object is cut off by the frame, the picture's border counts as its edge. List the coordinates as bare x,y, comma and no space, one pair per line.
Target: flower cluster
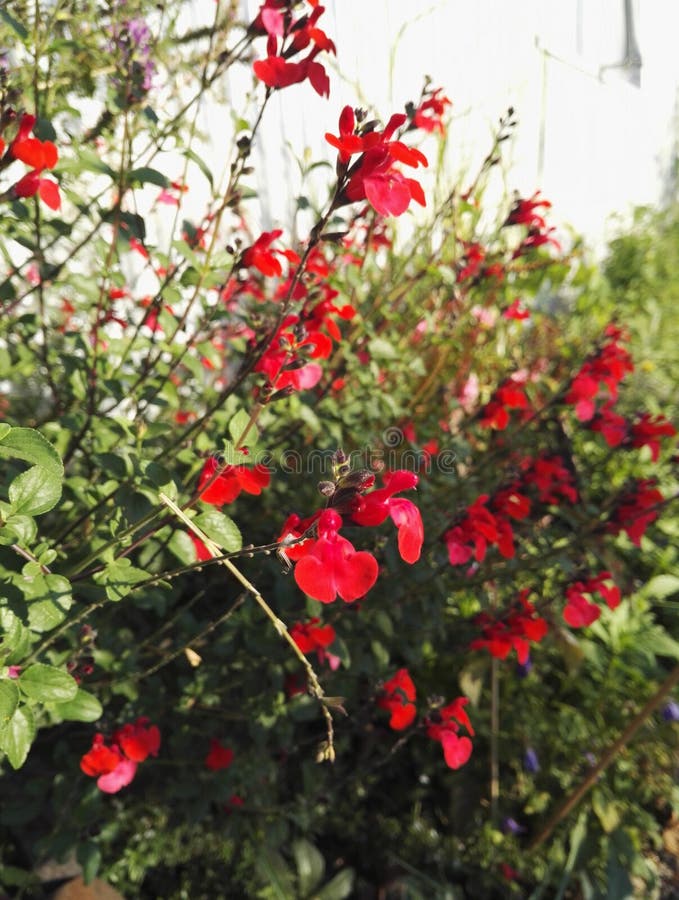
398,697
374,176
513,630
285,39
618,431
579,611
114,763
635,509
38,155
509,395
328,565
605,369
430,111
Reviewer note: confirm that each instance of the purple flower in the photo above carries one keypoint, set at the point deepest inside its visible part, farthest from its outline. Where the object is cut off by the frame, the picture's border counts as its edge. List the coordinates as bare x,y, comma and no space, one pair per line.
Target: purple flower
523,669
531,762
670,711
511,826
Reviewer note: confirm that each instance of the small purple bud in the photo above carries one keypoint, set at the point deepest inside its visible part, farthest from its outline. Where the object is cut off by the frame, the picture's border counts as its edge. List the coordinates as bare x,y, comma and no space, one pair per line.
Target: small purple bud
523,669
531,763
511,826
590,759
670,711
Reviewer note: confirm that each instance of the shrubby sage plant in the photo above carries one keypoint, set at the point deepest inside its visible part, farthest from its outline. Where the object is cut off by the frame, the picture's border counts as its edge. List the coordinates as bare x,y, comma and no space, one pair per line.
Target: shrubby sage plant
272,502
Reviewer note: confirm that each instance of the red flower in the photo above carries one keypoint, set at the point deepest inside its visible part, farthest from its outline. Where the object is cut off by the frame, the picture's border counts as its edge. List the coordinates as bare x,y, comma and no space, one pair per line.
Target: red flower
373,176
612,426
429,114
648,430
39,155
219,757
373,509
138,741
511,631
259,256
310,636
579,611
635,510
509,395
332,566
607,367
225,486
398,698
524,212
443,726
516,311
100,759
277,70
115,764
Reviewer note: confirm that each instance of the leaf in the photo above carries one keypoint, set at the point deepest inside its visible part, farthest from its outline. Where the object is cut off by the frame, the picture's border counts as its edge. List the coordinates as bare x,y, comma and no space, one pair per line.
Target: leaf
29,445
662,586
310,865
606,811
119,577
35,491
189,154
84,707
237,427
183,547
47,683
88,855
17,736
381,349
49,598
147,175
14,24
271,866
220,529
9,700
339,887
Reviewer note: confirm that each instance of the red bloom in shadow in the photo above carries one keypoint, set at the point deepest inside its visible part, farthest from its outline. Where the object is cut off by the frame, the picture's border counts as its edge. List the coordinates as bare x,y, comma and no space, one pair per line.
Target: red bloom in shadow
398,698
310,636
513,630
115,764
443,726
219,757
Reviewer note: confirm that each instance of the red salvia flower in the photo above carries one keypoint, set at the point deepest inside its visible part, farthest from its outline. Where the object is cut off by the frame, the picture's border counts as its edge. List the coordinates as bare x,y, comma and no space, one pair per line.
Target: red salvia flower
373,176
373,509
218,757
511,631
311,636
647,431
443,726
636,509
39,155
332,566
398,698
138,741
220,484
429,114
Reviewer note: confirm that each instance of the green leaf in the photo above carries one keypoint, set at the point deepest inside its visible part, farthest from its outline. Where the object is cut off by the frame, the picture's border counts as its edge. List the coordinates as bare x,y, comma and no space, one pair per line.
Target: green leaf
237,427
47,684
29,445
220,529
14,24
183,547
662,586
271,866
49,598
16,637
17,736
310,866
35,491
189,154
146,175
9,700
88,855
338,888
119,577
381,349
84,707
